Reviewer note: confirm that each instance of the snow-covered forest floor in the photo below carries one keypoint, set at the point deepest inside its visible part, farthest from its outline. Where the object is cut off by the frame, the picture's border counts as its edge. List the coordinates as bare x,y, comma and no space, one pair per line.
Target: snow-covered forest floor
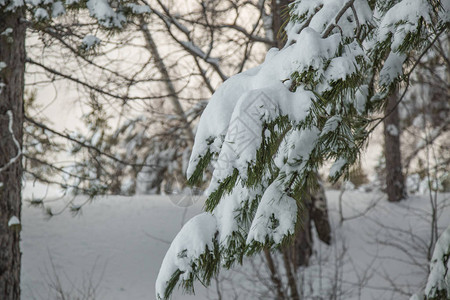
114,247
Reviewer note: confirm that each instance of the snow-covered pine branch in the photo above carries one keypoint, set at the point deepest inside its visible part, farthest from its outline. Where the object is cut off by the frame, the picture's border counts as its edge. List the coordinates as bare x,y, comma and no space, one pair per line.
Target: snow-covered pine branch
109,14
438,283
267,130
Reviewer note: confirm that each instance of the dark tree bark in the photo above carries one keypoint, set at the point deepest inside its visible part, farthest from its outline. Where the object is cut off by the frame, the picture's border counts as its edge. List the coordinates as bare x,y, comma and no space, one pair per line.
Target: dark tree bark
274,276
395,182
12,53
279,17
315,211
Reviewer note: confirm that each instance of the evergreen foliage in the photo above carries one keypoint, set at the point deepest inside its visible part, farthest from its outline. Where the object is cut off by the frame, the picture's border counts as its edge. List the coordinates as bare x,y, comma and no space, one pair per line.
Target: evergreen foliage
325,88
438,284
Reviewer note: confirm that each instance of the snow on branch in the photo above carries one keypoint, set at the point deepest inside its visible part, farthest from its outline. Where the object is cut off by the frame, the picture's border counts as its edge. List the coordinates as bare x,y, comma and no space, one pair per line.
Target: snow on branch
439,279
16,143
438,283
267,130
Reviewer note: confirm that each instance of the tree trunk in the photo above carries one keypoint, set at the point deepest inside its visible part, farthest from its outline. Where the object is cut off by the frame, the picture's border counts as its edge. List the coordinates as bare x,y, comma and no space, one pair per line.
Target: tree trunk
395,182
12,53
279,17
315,211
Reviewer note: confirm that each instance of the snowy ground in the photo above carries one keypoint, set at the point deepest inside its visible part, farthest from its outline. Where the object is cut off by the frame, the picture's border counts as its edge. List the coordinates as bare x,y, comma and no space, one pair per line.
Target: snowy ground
117,244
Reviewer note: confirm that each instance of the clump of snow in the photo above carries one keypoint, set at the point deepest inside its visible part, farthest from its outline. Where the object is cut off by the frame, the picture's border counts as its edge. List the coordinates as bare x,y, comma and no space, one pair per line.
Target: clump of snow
319,20
2,65
12,4
7,31
326,15
13,221
58,9
392,68
217,115
89,42
419,122
361,98
105,14
295,150
34,2
303,142
439,278
402,19
331,124
392,129
226,212
336,168
302,8
194,239
340,68
275,217
41,14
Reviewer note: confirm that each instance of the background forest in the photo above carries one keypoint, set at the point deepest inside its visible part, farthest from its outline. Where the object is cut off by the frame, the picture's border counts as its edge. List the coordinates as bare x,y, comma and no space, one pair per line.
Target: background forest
113,93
